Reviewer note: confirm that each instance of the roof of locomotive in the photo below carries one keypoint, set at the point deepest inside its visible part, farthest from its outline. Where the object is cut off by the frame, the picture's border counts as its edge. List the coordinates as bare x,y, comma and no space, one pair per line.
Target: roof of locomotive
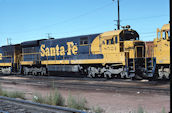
31,43
11,45
72,37
104,34
165,27
116,32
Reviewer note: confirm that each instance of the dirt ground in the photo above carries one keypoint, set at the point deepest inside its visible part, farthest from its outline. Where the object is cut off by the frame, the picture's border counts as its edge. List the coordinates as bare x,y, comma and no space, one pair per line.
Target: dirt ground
111,102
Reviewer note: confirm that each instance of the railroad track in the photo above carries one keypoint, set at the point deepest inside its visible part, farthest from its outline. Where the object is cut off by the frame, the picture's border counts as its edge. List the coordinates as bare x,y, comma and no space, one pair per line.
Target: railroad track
117,86
86,79
11,105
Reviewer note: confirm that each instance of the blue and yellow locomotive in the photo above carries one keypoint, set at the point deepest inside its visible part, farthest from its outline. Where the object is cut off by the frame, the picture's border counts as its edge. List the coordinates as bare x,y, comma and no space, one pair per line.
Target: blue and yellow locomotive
117,53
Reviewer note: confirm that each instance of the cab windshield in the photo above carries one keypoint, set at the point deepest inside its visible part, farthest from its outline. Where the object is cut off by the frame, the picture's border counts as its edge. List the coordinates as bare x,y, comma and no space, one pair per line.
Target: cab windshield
166,35
128,35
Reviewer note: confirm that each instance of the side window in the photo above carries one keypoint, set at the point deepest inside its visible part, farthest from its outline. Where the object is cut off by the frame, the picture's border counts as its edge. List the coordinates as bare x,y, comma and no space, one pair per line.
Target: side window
103,42
169,34
116,40
112,41
159,34
137,38
107,42
84,41
164,35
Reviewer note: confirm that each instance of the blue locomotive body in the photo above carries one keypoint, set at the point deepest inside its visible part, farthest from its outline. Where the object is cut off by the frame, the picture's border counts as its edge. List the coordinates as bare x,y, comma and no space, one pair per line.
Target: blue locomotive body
73,48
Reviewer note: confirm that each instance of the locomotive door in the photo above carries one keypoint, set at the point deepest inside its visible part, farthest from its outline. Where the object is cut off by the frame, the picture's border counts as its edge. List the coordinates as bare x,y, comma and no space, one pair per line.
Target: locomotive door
126,57
17,58
139,51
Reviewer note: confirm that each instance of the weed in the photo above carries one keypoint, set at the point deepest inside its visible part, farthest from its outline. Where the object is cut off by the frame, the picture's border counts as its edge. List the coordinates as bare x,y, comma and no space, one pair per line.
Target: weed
16,94
52,99
0,91
140,110
98,110
163,110
38,99
77,103
55,99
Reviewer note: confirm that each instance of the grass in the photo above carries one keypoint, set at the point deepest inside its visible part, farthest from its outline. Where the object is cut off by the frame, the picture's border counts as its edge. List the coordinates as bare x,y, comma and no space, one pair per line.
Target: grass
98,110
77,102
38,99
57,99
163,110
1,92
52,99
15,94
140,110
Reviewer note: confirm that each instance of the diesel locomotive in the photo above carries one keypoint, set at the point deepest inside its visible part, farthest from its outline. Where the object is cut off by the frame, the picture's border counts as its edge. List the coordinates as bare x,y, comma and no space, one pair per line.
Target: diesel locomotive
162,52
117,53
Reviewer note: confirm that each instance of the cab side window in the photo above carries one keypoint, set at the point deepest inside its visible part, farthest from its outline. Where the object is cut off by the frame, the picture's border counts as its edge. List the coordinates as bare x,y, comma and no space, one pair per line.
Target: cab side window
107,42
84,41
169,34
110,41
116,40
159,35
164,35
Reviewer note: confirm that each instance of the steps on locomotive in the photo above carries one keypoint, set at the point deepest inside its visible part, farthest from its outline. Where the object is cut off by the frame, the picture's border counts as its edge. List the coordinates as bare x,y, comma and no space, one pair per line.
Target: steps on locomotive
130,67
149,63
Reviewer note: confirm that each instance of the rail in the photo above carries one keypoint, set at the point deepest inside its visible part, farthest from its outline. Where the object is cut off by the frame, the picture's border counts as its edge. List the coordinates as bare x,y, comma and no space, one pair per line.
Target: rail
44,106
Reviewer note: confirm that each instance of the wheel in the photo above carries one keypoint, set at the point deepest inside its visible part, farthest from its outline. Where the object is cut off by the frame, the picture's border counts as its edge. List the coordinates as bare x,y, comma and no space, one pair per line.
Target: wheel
43,73
107,75
25,73
34,73
91,72
122,74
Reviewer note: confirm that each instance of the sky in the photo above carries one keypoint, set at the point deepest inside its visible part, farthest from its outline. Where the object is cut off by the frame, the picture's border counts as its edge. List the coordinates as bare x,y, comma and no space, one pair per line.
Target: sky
26,20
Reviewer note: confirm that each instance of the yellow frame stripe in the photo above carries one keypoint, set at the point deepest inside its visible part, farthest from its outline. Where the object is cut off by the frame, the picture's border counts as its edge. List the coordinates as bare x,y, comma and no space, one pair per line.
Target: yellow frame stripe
5,64
90,61
26,62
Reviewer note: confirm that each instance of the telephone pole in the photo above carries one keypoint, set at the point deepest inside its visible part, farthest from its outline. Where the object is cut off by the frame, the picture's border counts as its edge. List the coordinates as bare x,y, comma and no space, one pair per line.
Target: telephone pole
118,21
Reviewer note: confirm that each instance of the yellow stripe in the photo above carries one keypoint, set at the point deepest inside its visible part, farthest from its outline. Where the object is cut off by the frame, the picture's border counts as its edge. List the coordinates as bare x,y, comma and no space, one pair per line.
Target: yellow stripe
26,62
5,64
55,62
89,61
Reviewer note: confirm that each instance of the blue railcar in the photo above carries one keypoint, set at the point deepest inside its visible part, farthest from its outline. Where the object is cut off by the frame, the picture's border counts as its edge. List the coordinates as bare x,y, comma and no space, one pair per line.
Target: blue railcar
9,58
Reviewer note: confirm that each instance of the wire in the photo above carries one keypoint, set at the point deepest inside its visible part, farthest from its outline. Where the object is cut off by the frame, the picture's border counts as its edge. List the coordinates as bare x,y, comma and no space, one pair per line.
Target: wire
147,17
67,20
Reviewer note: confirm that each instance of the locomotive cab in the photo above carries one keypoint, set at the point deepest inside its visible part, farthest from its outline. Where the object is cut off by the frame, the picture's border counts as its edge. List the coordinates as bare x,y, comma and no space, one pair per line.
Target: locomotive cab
124,52
137,63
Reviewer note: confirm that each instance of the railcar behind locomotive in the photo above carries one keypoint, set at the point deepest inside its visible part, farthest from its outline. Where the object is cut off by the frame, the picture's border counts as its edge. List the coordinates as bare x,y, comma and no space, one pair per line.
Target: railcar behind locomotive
9,58
162,52
114,53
